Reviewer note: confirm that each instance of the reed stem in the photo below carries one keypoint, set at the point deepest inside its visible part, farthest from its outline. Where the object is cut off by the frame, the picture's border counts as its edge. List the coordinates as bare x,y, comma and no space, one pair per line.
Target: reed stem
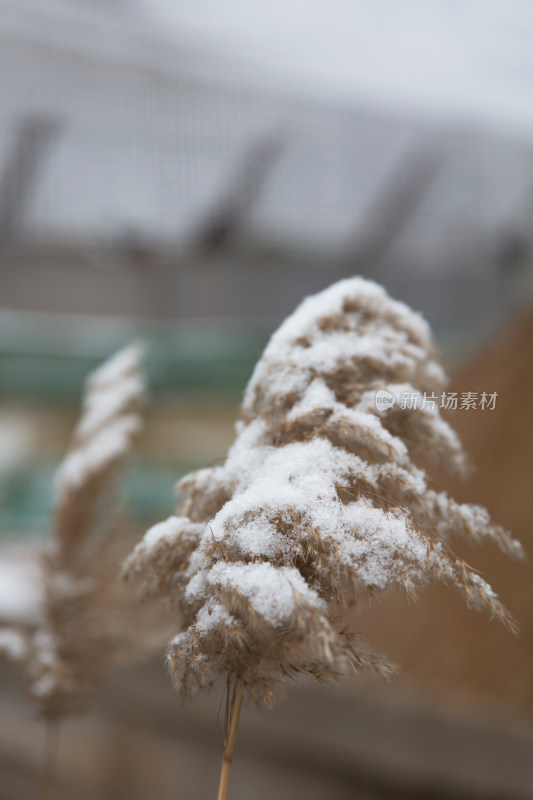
234,706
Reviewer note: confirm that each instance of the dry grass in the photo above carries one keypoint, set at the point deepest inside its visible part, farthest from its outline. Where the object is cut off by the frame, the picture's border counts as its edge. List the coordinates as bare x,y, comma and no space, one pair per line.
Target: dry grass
322,498
86,615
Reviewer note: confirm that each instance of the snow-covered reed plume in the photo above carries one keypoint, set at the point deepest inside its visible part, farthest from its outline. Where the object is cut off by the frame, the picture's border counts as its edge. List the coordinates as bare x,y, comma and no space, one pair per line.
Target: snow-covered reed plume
83,625
322,498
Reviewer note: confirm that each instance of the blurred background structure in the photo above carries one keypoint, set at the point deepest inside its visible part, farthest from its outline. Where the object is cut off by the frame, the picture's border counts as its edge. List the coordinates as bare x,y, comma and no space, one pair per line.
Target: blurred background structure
186,173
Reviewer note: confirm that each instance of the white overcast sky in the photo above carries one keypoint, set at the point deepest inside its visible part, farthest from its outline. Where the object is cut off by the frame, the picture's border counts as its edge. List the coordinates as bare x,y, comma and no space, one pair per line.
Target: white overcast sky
470,58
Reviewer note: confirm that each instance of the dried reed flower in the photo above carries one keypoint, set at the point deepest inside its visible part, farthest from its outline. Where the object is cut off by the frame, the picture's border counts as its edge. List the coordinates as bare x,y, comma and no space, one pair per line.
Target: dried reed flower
322,498
83,629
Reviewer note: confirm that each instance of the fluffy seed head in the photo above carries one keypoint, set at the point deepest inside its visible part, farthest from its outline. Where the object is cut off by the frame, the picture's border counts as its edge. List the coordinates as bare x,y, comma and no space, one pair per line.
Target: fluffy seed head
84,604
322,497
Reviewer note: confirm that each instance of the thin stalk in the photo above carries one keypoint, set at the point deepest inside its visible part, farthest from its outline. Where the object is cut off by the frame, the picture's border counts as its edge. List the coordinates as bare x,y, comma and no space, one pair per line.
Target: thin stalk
51,748
234,705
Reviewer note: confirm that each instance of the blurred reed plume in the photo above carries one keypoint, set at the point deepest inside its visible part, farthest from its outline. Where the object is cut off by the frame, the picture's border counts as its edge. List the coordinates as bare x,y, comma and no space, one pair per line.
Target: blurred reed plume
81,635
86,611
322,498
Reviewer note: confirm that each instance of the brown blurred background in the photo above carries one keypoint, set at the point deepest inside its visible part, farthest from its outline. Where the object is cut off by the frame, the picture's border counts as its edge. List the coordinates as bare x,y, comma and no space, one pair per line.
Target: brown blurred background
185,174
